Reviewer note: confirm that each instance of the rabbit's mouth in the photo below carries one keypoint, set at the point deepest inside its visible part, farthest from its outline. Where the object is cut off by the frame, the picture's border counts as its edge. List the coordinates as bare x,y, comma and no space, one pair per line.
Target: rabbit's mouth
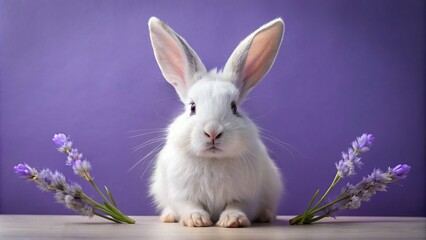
213,149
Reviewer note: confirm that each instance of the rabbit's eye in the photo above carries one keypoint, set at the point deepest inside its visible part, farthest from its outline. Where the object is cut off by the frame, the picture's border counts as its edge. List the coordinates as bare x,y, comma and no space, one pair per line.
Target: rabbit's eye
192,108
234,107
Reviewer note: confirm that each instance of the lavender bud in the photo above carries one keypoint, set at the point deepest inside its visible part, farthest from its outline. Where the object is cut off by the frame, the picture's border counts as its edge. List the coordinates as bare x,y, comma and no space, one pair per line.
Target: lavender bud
349,190
74,189
378,180
58,181
400,171
60,139
362,144
25,171
353,203
345,168
60,197
78,205
73,156
82,167
62,142
350,160
45,178
71,197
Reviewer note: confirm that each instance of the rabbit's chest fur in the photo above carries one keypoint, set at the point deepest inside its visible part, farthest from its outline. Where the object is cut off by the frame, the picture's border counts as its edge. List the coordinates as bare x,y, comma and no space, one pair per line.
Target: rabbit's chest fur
211,182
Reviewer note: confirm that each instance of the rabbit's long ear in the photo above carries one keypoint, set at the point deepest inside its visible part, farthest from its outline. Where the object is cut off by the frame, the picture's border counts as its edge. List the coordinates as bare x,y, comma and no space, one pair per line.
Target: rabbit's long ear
254,56
179,64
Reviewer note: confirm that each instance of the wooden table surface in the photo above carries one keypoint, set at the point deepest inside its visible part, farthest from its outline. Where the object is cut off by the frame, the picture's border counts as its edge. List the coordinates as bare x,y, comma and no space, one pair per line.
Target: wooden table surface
148,227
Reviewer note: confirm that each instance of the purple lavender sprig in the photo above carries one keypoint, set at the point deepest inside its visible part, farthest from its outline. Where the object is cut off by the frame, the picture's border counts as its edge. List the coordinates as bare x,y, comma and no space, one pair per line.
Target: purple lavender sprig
377,181
352,196
71,195
74,158
350,159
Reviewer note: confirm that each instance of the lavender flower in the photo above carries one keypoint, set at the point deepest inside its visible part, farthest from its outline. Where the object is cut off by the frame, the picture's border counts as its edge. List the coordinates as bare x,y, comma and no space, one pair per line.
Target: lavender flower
362,144
377,180
73,156
351,157
25,170
348,190
400,171
350,160
369,186
62,142
71,195
346,166
58,181
60,139
78,205
353,203
82,168
51,181
44,180
351,196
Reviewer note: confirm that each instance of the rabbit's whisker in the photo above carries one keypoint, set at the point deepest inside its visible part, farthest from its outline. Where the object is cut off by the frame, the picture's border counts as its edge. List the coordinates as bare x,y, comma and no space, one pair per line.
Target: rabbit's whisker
156,149
147,129
152,159
146,133
149,142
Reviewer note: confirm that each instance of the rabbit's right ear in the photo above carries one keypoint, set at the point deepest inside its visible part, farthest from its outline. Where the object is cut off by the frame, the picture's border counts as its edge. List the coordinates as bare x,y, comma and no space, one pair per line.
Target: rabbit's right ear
179,64
254,56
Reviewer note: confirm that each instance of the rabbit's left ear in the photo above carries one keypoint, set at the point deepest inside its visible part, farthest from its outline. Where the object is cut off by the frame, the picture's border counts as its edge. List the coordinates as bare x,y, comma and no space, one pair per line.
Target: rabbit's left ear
179,64
254,56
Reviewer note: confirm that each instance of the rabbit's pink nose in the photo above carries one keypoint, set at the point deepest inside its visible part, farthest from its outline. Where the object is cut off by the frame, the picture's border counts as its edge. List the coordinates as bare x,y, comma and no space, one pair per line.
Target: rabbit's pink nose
213,135
213,130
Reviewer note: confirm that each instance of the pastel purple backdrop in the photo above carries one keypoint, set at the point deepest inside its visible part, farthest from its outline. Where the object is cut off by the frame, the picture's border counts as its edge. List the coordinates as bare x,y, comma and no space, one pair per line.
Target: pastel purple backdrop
86,68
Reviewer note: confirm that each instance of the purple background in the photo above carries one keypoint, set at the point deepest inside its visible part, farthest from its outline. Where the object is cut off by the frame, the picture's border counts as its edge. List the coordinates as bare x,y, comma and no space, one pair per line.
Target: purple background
86,68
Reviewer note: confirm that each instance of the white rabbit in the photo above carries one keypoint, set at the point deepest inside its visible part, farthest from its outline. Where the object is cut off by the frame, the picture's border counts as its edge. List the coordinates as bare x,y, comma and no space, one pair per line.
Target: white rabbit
214,168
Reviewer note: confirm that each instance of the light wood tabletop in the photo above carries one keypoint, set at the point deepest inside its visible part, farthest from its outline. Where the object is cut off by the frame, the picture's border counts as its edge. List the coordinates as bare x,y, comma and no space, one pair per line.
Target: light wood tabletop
148,227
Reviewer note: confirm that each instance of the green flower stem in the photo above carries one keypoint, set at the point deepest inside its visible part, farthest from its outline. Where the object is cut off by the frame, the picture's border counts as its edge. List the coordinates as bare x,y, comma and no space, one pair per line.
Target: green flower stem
98,205
108,205
110,210
318,218
328,205
110,196
123,217
335,181
305,214
106,217
312,200
294,220
308,217
90,179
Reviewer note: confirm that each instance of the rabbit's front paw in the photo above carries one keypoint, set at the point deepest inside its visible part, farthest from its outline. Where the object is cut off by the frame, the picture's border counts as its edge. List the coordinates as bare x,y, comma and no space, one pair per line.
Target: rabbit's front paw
168,216
233,219
196,219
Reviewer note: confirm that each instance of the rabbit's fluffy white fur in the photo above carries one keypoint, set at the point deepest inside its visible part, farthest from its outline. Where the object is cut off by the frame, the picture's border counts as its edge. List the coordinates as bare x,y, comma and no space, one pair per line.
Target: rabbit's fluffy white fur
214,168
